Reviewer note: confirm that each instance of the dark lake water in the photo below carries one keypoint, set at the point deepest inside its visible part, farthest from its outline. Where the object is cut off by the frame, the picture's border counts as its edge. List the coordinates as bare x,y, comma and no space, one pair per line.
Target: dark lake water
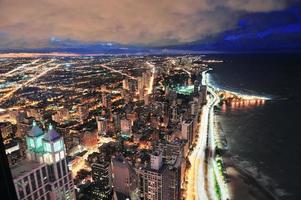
265,138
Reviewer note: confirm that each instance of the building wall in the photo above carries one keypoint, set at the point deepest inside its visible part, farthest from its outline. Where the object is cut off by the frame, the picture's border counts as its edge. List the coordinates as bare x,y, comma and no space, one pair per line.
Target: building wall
33,185
121,177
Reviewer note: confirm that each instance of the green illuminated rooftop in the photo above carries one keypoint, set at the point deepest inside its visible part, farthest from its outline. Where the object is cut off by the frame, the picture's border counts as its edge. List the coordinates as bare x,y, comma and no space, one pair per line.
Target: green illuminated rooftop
185,90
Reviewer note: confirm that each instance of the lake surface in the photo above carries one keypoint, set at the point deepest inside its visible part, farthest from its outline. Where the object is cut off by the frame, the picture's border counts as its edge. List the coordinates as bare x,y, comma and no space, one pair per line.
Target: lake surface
265,138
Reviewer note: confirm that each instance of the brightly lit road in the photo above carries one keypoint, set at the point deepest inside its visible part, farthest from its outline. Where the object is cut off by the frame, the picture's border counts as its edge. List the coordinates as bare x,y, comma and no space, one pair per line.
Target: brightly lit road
31,80
197,186
19,68
151,80
200,182
214,175
116,71
196,176
81,161
213,170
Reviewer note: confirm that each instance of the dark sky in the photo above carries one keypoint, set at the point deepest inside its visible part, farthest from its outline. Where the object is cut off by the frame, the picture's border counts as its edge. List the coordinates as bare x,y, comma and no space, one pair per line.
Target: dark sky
211,24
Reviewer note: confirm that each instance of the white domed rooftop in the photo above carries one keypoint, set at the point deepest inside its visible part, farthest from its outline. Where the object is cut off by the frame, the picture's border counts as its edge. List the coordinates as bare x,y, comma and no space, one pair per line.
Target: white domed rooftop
51,135
35,131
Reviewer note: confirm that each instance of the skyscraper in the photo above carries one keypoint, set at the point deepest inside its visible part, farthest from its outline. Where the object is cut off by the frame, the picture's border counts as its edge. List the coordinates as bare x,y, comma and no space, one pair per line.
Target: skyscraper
102,125
125,84
101,175
6,130
44,174
106,101
174,114
196,88
187,130
116,120
141,88
160,180
124,177
83,113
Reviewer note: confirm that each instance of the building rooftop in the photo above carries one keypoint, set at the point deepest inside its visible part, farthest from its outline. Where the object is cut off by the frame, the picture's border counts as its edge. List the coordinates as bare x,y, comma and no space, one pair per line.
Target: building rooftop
51,135
35,130
24,167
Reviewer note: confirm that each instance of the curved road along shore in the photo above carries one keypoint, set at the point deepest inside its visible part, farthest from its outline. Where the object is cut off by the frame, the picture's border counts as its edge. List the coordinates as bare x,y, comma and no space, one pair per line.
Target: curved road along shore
200,184
212,165
196,176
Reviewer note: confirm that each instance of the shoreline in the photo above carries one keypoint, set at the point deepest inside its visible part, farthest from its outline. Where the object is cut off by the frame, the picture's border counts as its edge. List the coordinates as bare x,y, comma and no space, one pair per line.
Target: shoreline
247,180
247,176
242,182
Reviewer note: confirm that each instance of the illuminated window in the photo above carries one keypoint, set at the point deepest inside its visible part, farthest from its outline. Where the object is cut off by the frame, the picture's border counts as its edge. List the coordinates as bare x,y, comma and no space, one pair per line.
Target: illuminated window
62,154
57,157
48,158
39,142
47,147
31,142
58,145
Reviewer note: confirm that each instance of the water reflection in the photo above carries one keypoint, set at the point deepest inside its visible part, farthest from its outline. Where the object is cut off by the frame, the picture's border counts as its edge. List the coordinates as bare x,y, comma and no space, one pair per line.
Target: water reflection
241,104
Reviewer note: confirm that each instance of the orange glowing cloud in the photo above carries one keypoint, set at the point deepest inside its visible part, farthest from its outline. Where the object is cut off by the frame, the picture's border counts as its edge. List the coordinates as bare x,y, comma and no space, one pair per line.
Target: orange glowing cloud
32,23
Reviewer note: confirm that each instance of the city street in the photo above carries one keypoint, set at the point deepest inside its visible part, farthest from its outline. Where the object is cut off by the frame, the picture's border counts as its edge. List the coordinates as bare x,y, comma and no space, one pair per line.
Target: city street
196,176
200,181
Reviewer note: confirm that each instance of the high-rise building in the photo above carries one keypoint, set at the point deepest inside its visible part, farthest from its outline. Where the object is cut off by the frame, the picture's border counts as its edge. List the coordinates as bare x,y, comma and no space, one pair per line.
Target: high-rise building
125,84
141,94
146,77
141,88
23,126
132,86
176,149
124,177
13,151
174,114
116,120
128,96
31,180
140,83
102,125
160,181
106,101
83,112
102,177
6,130
197,102
203,94
146,99
44,174
126,126
192,108
196,87
187,130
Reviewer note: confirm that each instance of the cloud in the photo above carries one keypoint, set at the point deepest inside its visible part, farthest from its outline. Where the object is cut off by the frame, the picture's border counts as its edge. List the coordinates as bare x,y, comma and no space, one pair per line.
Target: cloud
35,23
